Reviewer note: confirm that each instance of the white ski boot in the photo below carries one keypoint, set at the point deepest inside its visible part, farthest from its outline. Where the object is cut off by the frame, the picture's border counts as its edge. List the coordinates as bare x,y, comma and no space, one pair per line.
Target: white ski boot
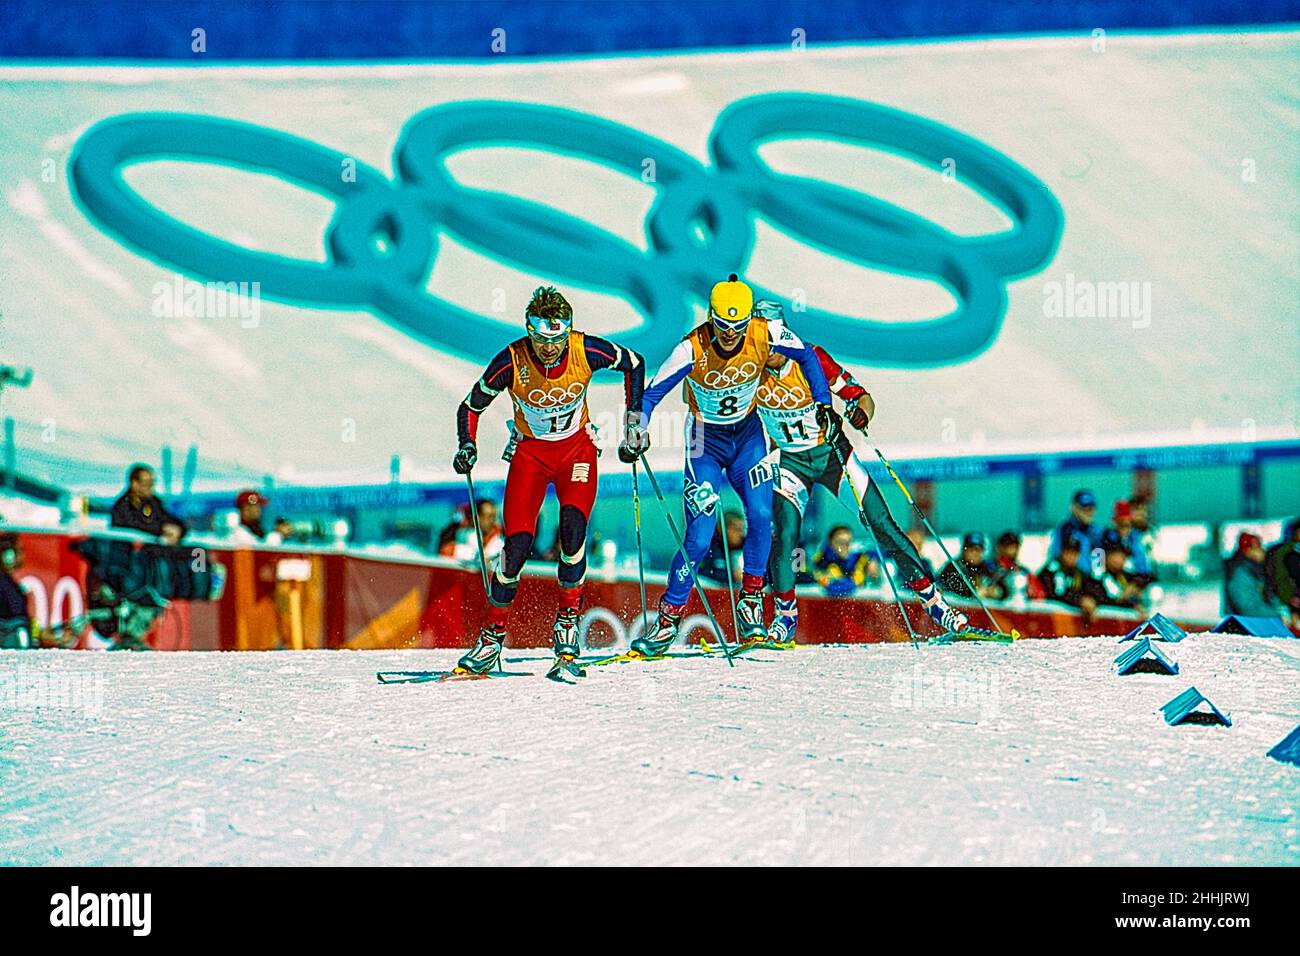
749,615
564,639
486,654
660,637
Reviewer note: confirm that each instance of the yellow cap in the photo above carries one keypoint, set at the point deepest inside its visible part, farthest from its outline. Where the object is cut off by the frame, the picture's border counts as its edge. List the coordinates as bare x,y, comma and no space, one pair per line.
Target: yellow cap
732,300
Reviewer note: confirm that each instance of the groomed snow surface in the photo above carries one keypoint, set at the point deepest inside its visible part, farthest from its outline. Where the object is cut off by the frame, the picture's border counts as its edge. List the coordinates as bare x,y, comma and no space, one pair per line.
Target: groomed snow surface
1034,753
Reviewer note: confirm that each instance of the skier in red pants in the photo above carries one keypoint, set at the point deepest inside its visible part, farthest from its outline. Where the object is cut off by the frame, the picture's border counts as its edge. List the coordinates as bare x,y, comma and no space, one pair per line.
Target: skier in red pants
547,373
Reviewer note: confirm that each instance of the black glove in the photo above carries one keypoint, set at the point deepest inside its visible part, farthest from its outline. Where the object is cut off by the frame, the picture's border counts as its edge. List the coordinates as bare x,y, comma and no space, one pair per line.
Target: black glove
465,458
636,441
829,421
856,416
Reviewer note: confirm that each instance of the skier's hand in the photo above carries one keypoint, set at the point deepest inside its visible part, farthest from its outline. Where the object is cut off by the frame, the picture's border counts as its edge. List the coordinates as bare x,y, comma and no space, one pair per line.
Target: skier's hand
829,421
465,458
636,441
857,416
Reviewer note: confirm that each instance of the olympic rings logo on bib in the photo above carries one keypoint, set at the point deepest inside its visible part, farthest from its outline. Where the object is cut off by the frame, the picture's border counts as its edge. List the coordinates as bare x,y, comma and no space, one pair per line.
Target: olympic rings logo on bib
550,398
782,396
661,281
730,375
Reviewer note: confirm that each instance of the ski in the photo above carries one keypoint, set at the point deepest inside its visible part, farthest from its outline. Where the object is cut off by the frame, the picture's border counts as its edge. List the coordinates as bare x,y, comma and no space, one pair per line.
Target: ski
708,650
627,658
439,677
976,634
624,658
565,668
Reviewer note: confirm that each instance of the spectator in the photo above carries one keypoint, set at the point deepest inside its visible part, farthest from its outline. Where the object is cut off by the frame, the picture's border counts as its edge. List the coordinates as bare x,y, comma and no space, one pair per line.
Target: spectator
1010,579
1282,570
838,567
1079,526
714,565
249,530
1245,588
1065,580
450,534
1140,506
978,570
13,602
140,510
1139,563
458,541
1119,588
283,531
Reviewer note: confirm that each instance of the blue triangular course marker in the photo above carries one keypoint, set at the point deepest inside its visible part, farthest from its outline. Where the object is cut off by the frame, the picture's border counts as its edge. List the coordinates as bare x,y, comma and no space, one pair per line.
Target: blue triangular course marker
1254,626
1183,708
1288,751
1166,630
1142,651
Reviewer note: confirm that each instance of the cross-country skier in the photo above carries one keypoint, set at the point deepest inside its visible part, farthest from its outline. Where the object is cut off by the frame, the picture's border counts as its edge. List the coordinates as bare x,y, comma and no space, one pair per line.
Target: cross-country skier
721,363
547,373
809,457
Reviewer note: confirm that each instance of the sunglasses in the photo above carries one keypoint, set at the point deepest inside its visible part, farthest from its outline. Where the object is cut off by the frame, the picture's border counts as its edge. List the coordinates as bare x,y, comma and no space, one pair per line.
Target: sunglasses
541,339
728,325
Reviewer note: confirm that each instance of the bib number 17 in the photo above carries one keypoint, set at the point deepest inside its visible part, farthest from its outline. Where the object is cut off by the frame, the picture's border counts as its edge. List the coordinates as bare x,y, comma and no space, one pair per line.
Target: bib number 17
561,423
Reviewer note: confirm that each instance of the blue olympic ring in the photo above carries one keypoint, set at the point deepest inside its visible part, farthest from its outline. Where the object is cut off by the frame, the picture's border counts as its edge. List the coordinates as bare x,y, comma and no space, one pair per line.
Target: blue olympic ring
679,267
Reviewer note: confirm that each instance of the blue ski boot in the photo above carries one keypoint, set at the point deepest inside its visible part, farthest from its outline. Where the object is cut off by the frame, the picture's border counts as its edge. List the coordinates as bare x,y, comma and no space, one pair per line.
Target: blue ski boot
780,636
941,612
486,654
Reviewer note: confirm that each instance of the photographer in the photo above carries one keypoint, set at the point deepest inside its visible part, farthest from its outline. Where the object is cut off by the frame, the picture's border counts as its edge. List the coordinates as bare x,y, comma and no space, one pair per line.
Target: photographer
139,509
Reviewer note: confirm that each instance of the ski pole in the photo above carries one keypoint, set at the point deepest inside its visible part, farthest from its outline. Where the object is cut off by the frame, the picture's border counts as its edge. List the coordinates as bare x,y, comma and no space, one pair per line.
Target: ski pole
478,534
731,586
884,564
640,556
681,547
934,534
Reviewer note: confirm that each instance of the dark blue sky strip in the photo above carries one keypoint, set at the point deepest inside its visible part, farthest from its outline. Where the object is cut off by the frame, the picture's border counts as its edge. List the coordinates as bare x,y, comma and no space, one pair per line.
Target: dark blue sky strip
463,29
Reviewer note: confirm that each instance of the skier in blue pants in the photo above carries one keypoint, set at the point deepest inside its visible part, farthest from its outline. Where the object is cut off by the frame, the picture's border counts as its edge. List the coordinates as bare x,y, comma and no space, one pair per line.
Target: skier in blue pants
721,364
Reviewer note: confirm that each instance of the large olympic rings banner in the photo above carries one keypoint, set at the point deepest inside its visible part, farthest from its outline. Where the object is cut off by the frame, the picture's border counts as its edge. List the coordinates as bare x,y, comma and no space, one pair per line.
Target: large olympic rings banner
1027,244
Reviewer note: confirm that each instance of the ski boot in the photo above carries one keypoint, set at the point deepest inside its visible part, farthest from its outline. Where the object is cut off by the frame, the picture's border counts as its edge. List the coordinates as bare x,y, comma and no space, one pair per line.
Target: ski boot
947,617
780,636
660,637
749,615
486,654
564,639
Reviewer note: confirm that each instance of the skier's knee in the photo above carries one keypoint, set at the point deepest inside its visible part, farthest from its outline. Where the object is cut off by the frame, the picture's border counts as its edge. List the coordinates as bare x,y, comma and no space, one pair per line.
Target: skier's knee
699,534
505,579
502,589
515,553
572,567
573,529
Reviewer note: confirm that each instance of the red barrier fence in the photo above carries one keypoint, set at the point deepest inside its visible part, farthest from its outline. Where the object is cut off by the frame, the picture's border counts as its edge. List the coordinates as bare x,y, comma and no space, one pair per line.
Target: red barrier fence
345,599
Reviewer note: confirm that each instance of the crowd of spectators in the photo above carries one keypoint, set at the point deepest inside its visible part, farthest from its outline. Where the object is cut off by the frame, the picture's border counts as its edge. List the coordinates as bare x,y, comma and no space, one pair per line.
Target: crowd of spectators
1089,564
